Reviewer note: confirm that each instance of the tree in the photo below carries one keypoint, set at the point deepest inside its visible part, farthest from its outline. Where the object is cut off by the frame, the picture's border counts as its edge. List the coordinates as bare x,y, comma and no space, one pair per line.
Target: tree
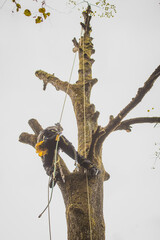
84,219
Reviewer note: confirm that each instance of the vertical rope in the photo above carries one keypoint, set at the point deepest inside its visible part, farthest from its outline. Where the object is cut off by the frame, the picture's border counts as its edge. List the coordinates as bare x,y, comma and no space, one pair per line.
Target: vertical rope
50,198
65,98
56,152
49,217
84,132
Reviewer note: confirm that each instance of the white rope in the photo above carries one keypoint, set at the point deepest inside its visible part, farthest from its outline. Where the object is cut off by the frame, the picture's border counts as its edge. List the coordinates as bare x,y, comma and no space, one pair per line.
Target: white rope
84,129
56,152
49,217
70,77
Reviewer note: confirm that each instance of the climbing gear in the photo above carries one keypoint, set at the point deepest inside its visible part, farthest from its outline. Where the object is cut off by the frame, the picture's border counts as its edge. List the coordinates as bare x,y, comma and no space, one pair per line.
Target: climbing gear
39,149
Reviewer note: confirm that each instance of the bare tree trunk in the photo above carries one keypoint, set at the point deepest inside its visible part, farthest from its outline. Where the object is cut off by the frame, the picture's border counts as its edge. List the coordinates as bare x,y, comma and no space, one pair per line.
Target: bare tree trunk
79,203
76,202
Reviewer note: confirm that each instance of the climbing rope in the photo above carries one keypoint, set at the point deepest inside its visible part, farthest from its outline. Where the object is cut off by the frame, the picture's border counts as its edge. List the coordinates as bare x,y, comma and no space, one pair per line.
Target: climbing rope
56,153
70,77
56,150
49,217
84,132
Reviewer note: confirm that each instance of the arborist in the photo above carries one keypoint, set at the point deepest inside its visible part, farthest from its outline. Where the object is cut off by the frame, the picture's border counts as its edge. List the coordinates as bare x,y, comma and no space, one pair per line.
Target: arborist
46,147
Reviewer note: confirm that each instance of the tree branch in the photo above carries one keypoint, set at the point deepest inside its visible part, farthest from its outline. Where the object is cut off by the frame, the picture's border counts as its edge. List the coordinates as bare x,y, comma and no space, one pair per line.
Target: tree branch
125,125
28,139
50,78
115,122
31,139
36,127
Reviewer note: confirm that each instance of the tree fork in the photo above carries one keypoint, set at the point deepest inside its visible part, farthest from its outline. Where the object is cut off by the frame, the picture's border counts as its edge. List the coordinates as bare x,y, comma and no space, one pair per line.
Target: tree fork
74,190
77,202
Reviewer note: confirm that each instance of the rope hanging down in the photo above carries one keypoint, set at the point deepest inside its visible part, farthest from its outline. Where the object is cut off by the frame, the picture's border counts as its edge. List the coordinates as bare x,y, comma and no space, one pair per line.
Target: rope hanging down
84,133
56,150
56,153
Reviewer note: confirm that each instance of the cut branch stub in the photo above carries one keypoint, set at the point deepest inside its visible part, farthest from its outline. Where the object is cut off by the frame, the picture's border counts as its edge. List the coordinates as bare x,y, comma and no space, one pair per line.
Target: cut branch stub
28,139
31,139
36,127
76,45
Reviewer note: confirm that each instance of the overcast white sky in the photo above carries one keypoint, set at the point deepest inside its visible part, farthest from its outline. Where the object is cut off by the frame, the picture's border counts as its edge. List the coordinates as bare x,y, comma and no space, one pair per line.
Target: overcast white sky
127,52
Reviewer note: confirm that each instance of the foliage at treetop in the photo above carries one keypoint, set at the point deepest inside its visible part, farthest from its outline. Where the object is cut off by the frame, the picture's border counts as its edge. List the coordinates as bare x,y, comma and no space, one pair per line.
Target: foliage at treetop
101,8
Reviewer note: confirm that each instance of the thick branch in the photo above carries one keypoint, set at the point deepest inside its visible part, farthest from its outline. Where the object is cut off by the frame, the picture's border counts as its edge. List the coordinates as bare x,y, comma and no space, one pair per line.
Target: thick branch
28,139
126,125
36,127
115,122
31,139
50,78
76,45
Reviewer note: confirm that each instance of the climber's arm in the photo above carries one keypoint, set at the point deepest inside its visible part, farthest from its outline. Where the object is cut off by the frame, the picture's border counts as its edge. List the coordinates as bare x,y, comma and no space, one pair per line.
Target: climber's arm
69,149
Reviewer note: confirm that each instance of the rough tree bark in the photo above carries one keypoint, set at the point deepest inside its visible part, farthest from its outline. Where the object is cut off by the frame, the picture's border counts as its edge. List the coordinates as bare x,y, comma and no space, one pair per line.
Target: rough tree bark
74,190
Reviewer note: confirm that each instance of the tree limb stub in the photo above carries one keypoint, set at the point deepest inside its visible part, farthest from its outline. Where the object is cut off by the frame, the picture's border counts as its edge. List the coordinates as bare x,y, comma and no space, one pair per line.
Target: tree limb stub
31,139
50,78
125,125
76,45
28,139
115,122
106,176
36,127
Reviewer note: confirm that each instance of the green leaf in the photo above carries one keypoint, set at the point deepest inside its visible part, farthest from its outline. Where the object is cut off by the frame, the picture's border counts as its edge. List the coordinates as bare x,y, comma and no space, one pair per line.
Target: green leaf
27,12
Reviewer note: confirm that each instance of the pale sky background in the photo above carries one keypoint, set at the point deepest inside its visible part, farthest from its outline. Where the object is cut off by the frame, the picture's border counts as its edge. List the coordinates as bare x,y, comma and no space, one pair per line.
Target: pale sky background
127,52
